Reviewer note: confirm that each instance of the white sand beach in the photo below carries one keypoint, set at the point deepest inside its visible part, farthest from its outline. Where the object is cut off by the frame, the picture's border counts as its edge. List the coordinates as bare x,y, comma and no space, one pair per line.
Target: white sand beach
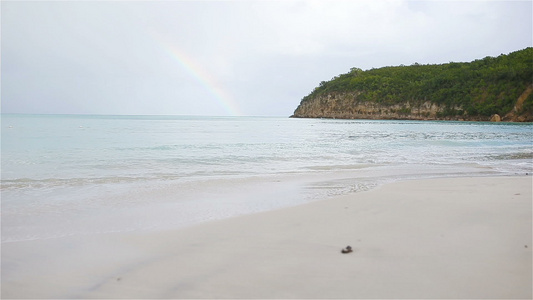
434,238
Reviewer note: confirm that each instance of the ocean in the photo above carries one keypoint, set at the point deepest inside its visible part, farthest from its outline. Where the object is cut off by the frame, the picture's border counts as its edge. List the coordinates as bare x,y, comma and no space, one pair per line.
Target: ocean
65,175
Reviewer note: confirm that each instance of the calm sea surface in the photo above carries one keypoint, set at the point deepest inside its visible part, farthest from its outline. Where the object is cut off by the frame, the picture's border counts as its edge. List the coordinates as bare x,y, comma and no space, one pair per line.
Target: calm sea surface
74,175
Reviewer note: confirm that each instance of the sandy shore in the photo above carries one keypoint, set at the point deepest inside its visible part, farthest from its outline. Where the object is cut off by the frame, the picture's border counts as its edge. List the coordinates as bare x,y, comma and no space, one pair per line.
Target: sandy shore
438,238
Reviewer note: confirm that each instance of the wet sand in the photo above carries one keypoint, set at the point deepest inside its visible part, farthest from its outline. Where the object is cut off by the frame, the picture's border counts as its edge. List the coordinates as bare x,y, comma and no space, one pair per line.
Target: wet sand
436,238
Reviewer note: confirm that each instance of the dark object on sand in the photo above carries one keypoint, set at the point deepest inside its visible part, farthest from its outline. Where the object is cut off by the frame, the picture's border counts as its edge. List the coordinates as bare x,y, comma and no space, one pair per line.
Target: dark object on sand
348,249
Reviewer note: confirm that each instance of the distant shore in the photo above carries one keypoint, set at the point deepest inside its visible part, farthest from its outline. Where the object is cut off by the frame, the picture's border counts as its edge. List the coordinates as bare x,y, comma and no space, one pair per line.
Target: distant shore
342,116
435,238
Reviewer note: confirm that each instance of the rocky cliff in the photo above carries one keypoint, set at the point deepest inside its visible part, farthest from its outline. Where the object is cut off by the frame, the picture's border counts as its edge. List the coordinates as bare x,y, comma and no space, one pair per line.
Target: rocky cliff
347,106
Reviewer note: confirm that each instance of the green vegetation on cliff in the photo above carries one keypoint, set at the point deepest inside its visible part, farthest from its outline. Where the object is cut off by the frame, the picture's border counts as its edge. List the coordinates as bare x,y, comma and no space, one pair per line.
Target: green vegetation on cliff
484,87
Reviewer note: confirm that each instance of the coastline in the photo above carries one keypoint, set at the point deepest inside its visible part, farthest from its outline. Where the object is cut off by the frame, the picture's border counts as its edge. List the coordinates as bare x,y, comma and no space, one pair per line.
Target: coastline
478,119
431,238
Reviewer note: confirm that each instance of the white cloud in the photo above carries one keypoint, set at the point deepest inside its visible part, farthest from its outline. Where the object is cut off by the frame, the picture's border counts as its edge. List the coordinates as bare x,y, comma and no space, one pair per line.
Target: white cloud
113,57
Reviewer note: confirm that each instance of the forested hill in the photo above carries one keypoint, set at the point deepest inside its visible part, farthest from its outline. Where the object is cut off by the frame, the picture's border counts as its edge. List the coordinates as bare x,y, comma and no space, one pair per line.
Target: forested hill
489,88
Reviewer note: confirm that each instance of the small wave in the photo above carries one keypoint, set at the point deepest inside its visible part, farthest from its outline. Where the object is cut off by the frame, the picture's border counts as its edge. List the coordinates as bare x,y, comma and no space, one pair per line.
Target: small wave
512,156
23,183
340,167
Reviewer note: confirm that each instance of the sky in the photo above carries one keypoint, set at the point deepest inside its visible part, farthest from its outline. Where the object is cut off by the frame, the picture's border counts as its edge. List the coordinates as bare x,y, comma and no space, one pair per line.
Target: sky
229,58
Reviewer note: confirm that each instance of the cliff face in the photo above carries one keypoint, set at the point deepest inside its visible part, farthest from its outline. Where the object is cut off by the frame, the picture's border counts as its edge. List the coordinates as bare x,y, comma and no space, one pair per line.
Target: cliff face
346,106
515,115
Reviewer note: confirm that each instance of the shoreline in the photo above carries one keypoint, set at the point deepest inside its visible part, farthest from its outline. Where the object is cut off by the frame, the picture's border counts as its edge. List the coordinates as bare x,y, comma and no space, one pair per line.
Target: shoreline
463,237
173,205
475,119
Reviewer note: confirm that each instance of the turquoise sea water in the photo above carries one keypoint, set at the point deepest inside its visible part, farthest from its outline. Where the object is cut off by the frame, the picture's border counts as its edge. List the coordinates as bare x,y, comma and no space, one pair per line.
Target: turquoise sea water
73,175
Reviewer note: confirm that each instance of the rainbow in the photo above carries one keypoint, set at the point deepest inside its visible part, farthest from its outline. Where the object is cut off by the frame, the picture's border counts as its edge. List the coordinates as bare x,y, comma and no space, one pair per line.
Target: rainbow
202,76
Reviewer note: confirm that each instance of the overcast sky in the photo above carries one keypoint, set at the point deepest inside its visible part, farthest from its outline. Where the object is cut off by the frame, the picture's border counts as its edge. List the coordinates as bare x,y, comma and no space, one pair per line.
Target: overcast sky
229,57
